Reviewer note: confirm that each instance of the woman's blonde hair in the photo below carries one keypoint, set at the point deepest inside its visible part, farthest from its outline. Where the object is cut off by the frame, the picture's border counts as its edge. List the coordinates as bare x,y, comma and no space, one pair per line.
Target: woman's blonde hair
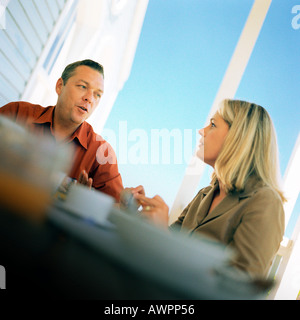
250,147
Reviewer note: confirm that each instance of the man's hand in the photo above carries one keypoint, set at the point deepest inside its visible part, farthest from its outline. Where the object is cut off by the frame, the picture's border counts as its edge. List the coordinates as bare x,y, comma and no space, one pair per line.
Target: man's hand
84,179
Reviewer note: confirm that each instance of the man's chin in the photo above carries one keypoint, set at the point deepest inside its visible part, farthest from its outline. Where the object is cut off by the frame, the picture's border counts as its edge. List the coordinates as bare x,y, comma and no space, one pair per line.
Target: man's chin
79,119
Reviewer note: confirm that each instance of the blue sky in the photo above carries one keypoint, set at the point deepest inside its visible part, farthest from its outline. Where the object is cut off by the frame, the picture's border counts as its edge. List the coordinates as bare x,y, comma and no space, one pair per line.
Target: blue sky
182,55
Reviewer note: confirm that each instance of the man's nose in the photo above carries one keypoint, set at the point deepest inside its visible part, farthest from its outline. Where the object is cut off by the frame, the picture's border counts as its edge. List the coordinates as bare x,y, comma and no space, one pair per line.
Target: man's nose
88,96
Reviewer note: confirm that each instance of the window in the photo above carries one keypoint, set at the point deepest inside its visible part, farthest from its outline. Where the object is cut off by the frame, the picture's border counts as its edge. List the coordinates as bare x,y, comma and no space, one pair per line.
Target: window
25,33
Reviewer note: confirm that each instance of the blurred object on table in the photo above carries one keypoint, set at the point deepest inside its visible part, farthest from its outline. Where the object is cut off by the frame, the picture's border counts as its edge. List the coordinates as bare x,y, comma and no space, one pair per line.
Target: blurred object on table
64,187
29,169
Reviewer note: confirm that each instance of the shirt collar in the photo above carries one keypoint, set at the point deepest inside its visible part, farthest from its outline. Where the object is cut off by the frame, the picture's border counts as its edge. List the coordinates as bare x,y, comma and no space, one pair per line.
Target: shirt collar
46,116
80,134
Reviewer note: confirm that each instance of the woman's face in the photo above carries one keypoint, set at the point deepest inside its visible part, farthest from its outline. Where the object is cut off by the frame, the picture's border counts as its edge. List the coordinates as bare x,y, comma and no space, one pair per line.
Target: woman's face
213,137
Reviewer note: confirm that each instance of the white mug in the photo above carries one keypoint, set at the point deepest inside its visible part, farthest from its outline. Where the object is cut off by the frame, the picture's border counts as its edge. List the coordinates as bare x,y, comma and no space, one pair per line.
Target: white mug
88,203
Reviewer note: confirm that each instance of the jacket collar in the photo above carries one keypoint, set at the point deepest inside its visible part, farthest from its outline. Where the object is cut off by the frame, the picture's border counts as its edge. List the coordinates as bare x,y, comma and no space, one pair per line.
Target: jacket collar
206,190
232,199
251,186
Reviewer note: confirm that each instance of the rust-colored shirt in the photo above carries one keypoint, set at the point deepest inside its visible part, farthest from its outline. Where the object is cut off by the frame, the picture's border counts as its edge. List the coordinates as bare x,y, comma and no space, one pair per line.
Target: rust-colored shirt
91,152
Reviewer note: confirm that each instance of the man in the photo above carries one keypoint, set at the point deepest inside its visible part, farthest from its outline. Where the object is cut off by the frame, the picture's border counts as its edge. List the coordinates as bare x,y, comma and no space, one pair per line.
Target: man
79,91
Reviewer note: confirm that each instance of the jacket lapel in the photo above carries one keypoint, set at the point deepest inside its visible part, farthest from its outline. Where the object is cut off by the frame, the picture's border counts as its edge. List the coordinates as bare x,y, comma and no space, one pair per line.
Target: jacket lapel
225,205
207,196
232,199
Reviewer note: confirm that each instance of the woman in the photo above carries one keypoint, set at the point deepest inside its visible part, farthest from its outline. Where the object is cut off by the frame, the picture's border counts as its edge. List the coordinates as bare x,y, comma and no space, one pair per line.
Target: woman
243,206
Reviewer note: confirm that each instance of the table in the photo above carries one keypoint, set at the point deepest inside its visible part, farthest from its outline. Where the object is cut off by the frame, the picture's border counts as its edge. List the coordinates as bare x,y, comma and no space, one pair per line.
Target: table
70,258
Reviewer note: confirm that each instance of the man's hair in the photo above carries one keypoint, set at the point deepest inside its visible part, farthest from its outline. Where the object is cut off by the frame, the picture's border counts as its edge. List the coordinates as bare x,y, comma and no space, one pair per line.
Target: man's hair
70,69
250,147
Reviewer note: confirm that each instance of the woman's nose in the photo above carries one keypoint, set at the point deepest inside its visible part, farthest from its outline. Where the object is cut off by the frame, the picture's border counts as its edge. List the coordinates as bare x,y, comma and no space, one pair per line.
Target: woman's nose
201,132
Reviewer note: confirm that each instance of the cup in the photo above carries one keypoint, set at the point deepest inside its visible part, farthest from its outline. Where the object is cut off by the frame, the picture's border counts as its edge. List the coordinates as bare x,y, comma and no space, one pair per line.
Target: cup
89,204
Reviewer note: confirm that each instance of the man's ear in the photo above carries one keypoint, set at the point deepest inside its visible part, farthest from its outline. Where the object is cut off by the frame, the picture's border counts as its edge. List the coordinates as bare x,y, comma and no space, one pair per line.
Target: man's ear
59,85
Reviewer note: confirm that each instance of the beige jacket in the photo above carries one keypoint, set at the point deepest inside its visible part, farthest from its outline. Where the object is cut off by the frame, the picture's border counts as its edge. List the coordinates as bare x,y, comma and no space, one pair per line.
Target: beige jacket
251,222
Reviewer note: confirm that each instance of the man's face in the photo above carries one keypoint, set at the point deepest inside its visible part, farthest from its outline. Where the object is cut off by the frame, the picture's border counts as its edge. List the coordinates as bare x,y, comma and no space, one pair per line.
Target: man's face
80,96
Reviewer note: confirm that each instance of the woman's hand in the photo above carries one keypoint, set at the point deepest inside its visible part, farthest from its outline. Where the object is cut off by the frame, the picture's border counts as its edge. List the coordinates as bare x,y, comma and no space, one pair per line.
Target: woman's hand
127,192
154,208
128,195
138,190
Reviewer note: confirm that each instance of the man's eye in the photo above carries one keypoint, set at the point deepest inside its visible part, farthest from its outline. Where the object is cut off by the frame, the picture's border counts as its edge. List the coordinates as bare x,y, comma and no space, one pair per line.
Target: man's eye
82,86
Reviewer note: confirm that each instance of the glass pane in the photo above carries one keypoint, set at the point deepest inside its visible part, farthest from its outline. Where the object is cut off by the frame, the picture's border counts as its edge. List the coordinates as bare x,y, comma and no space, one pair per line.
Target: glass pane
182,55
54,9
19,41
24,26
10,72
14,54
36,20
183,52
28,26
43,9
7,91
